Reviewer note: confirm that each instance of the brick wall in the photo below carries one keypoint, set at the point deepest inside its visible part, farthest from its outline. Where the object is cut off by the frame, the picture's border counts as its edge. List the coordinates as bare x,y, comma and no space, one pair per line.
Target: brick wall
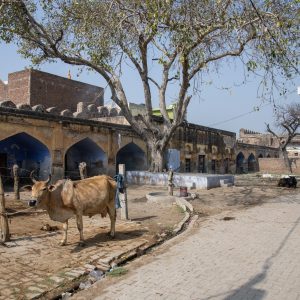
35,87
3,91
277,166
19,87
51,90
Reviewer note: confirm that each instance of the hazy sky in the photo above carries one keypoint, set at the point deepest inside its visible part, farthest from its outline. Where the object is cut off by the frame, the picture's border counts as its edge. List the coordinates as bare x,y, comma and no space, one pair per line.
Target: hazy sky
226,98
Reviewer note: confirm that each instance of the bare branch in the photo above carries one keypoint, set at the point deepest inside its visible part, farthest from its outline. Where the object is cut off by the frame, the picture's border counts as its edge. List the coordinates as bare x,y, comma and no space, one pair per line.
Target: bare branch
232,53
154,82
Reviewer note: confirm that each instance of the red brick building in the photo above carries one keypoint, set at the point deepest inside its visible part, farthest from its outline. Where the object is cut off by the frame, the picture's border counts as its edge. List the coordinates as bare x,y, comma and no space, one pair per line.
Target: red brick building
35,87
3,90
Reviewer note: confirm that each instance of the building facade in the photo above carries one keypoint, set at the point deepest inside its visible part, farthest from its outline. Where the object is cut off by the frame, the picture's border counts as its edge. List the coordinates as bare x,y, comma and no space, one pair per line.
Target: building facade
37,135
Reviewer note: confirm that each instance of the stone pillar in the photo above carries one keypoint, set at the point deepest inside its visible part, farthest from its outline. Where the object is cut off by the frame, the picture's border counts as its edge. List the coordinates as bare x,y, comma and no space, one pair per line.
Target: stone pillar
57,171
16,181
123,196
111,155
82,170
4,229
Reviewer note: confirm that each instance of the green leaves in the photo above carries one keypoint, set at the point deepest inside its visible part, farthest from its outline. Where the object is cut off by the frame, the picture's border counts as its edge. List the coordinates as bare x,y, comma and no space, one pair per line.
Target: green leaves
251,65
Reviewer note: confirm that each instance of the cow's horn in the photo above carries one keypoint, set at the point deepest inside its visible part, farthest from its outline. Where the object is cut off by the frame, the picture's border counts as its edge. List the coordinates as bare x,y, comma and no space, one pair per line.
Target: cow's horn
31,176
49,179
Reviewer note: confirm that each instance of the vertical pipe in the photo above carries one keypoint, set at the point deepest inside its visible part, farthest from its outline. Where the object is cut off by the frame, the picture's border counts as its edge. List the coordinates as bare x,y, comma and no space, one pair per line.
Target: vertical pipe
123,196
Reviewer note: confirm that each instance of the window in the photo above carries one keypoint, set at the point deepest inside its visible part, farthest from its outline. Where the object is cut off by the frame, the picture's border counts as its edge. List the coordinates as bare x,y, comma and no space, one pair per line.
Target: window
213,166
201,164
187,165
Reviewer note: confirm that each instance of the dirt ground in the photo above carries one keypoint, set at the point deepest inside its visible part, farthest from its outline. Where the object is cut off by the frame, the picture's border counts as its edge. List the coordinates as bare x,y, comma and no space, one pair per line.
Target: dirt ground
157,217
217,200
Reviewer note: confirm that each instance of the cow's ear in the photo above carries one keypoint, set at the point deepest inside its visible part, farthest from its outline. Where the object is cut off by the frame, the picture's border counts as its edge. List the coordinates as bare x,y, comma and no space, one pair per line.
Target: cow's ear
26,188
51,188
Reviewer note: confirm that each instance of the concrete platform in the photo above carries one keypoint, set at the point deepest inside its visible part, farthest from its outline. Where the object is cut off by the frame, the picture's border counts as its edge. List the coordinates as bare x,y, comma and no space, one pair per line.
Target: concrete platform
190,180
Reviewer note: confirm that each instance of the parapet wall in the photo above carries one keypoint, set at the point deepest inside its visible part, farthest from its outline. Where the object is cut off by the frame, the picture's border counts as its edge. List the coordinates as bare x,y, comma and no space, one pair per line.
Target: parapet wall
33,87
84,110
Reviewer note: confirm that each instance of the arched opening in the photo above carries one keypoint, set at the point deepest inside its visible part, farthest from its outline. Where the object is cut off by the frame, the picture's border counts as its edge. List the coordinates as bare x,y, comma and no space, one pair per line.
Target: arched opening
85,151
133,157
260,156
268,156
226,165
28,153
252,163
240,163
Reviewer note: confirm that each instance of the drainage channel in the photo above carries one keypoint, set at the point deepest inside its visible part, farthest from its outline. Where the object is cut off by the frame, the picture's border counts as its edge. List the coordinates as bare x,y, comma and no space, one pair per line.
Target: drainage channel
87,280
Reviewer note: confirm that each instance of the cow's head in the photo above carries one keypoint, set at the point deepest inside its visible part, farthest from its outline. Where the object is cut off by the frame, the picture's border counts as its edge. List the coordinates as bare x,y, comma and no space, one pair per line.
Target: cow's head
39,191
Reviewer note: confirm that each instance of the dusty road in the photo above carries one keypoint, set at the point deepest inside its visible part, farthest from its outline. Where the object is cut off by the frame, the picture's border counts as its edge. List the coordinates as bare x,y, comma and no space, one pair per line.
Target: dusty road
254,255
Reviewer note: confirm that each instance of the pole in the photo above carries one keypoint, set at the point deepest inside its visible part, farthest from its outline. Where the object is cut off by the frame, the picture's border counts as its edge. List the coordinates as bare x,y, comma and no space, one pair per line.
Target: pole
170,182
123,196
4,229
82,170
16,181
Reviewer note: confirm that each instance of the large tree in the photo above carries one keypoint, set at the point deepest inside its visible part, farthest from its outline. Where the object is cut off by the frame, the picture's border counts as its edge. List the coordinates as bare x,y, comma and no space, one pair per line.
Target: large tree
287,121
184,38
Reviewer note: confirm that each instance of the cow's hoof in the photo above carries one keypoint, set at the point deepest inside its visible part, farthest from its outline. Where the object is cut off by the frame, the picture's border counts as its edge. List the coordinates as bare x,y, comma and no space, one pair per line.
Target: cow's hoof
62,243
81,244
112,235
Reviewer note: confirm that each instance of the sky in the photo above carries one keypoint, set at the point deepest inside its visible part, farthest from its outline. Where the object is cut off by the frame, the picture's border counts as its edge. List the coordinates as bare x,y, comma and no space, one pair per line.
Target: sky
225,102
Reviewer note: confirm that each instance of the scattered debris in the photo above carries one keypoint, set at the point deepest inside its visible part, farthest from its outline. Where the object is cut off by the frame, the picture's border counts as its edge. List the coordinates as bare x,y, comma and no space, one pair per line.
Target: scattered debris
48,227
194,196
85,285
116,272
66,296
228,218
267,175
96,275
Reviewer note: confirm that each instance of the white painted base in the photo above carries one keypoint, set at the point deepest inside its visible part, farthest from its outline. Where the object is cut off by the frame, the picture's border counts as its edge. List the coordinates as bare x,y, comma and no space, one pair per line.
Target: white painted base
190,180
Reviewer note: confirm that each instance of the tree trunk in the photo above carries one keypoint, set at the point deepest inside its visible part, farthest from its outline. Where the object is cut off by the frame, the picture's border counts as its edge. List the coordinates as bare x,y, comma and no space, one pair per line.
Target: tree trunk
287,160
16,181
157,159
4,229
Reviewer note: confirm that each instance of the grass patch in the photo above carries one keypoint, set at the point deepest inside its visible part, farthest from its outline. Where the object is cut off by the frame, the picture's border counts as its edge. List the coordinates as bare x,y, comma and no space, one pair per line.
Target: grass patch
117,272
180,209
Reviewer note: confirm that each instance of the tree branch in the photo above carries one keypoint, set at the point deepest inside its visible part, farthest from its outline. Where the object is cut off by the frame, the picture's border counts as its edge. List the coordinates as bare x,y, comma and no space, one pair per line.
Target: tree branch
236,52
163,88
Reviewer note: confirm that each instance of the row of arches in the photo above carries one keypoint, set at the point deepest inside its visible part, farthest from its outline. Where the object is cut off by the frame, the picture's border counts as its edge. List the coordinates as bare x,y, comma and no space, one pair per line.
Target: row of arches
31,154
248,165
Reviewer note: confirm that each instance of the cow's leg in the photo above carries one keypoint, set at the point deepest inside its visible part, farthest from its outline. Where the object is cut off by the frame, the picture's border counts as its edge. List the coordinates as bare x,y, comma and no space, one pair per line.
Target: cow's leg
112,215
64,239
80,228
